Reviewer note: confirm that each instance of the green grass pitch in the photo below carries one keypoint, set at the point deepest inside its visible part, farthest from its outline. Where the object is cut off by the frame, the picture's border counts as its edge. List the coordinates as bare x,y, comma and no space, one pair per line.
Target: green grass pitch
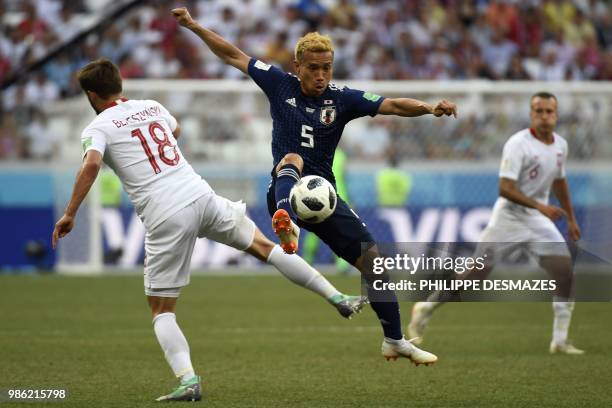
261,341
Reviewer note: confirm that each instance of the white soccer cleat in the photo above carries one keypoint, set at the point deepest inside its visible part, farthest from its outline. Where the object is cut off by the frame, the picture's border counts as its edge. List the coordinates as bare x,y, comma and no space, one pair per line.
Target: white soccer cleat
394,349
565,348
421,314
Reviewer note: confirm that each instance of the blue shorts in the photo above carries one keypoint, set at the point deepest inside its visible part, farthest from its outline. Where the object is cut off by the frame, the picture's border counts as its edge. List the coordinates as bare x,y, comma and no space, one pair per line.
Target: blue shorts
343,231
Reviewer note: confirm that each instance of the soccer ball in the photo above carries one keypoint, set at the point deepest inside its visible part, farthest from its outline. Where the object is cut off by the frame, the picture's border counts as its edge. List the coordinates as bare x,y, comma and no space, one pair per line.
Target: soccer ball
313,199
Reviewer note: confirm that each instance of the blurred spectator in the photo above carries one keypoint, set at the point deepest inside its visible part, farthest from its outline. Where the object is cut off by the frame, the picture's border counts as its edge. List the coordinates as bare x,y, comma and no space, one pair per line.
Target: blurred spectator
604,30
530,28
503,15
42,144
551,69
563,49
129,68
14,47
228,26
164,24
278,52
559,13
60,72
5,66
516,71
311,11
419,30
579,30
67,25
31,24
498,53
344,14
292,23
592,52
374,39
41,91
10,139
428,38
368,139
580,69
255,42
606,72
162,64
111,45
419,67
49,9
467,12
441,60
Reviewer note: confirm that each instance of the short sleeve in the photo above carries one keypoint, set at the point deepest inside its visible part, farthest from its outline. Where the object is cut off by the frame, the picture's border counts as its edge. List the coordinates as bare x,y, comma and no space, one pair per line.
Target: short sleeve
512,160
562,159
360,103
266,76
171,120
93,139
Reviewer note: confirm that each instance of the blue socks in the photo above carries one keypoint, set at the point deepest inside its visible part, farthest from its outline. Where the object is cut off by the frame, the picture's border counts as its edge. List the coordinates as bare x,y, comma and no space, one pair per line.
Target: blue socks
387,310
384,303
286,178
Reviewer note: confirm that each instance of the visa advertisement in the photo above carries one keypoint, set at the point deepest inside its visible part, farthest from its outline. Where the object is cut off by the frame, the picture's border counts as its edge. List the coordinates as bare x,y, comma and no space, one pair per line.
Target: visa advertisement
441,207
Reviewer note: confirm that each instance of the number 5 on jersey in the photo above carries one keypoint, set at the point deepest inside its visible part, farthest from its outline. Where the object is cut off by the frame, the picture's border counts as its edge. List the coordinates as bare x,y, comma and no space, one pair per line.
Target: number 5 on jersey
161,144
308,135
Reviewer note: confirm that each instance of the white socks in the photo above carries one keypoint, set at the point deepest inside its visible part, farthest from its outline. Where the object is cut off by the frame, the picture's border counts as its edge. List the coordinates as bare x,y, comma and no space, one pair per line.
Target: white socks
431,306
562,309
299,272
174,344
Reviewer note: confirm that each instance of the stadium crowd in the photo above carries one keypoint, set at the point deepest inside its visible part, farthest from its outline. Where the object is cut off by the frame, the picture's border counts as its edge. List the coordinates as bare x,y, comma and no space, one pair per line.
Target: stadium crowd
392,40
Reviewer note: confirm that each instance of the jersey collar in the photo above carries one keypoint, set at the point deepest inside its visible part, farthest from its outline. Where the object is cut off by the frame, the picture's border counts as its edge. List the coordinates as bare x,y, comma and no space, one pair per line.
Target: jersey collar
115,103
533,133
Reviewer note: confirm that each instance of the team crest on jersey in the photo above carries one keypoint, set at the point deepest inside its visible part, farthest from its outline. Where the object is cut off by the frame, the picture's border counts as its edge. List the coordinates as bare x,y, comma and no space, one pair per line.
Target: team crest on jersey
328,115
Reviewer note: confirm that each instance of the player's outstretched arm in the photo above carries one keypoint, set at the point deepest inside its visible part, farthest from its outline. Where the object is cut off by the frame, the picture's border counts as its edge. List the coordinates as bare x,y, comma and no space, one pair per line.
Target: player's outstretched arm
85,179
510,190
560,189
413,107
229,53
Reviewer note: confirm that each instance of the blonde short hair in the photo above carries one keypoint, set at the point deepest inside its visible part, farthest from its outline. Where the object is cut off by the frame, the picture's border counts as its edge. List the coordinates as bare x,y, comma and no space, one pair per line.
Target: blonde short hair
313,42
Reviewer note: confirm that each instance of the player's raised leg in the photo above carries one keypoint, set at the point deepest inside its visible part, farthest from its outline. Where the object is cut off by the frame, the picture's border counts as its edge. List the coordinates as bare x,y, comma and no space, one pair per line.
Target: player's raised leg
560,268
288,172
301,273
228,224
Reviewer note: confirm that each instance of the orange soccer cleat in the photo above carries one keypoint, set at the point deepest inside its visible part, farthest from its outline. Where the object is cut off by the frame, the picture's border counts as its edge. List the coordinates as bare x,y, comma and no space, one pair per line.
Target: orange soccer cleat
288,233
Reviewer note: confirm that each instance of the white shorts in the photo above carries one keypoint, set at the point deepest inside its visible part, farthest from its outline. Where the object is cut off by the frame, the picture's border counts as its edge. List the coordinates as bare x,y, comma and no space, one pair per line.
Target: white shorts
168,248
538,235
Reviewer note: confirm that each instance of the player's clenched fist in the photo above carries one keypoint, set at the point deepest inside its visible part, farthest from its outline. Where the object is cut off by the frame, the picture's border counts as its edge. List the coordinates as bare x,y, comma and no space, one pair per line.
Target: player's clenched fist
182,16
445,107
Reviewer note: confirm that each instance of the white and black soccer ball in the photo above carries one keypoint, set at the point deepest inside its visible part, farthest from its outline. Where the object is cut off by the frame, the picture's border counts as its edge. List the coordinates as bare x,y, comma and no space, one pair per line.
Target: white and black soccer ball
313,199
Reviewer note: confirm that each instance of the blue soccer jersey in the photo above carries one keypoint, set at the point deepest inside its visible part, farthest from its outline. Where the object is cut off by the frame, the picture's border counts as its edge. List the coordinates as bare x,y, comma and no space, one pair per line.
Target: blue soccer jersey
309,126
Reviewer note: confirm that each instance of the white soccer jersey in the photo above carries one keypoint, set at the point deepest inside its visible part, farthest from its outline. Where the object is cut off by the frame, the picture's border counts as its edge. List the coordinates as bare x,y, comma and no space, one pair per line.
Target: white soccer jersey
135,138
534,166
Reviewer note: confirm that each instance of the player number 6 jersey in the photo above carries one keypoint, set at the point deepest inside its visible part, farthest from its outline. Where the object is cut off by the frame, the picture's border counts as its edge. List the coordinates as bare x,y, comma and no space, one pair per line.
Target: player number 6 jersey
534,166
